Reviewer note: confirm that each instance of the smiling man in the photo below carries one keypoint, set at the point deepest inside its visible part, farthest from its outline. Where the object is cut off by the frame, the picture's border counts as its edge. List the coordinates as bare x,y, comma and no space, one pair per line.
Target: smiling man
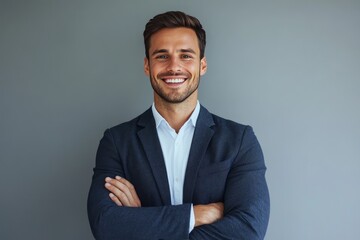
175,66
178,171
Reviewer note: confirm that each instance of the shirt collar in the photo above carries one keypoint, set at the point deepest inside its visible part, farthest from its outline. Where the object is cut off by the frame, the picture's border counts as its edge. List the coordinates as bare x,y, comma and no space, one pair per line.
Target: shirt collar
193,118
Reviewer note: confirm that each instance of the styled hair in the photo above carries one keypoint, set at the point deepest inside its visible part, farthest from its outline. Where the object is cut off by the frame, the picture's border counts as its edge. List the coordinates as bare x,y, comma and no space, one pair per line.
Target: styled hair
174,19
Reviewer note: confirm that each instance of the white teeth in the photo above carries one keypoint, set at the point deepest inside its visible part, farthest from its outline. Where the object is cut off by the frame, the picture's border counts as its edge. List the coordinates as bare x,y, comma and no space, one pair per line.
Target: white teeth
177,80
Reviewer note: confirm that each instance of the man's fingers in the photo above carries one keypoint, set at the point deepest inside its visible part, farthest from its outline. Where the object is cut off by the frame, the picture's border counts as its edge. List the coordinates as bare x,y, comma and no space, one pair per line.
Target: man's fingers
115,199
121,186
124,191
132,190
120,195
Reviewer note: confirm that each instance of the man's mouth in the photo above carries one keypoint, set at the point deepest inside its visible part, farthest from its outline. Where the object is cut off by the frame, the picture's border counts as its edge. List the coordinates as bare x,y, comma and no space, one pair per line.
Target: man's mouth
174,80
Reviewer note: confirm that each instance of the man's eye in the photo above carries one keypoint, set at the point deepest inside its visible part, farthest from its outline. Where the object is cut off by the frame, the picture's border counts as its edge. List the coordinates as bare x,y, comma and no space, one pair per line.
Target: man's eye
161,57
185,56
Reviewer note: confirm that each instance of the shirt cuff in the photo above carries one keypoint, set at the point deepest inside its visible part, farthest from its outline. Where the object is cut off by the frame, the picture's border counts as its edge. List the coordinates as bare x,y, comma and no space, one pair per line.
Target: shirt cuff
192,219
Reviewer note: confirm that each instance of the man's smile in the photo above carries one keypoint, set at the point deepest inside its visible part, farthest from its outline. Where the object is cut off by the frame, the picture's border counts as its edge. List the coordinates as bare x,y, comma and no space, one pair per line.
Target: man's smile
174,80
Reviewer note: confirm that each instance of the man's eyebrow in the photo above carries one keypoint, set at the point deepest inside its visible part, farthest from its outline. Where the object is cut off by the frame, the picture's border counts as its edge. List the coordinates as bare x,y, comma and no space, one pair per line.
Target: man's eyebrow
187,50
183,50
159,51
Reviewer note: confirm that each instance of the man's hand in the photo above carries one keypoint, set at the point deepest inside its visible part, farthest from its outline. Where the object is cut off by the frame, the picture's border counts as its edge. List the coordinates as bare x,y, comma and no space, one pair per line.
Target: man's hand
122,192
207,214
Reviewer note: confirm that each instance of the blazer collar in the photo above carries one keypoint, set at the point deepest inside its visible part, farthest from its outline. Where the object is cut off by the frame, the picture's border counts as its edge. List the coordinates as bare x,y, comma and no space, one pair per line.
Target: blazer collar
151,144
201,139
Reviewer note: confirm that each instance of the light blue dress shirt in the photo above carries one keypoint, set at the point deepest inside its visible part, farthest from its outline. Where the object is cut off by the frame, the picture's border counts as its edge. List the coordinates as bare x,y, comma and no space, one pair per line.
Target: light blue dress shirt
176,148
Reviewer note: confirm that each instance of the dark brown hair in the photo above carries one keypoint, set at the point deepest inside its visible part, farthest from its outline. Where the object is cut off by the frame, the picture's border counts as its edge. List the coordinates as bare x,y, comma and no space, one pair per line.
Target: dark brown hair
174,19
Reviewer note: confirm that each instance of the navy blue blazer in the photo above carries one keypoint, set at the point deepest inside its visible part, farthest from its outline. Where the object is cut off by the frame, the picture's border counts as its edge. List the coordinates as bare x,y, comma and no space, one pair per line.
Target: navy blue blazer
225,164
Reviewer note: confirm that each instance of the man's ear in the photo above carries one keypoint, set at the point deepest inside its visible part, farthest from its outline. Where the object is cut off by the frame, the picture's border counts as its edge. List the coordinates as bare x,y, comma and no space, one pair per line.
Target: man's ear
203,66
146,66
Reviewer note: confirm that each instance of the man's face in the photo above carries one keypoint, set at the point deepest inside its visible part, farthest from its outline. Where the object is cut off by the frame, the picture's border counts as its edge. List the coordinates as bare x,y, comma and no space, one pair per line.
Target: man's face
174,65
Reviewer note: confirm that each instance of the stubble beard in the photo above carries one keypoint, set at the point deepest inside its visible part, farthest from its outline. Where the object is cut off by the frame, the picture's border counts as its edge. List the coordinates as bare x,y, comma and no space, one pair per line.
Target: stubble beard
173,97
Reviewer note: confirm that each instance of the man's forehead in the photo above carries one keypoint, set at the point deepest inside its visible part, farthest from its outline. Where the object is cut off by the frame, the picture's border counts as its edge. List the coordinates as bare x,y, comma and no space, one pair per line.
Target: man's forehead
178,39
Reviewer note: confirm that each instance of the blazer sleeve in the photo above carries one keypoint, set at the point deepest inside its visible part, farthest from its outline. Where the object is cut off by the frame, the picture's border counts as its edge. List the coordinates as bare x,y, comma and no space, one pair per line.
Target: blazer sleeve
109,221
246,199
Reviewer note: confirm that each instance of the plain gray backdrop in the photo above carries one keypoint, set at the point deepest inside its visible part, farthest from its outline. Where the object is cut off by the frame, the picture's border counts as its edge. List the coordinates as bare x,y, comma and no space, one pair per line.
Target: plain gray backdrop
71,69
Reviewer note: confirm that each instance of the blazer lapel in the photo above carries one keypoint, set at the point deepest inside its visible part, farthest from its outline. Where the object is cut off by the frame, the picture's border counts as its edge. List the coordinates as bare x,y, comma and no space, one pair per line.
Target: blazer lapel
202,136
151,144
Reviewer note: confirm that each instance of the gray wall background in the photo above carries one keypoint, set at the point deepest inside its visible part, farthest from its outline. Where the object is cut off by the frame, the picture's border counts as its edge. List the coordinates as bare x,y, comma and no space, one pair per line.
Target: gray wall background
70,69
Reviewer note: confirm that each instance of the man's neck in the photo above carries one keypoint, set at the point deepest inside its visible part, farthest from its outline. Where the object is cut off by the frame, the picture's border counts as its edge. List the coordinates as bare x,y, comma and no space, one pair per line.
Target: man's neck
176,114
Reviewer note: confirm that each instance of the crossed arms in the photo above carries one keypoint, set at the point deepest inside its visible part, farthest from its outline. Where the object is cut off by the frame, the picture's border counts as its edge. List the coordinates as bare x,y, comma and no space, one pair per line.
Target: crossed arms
117,210
123,194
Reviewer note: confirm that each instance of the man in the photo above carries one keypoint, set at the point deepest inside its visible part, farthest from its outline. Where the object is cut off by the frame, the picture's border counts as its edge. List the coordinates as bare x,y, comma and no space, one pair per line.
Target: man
178,171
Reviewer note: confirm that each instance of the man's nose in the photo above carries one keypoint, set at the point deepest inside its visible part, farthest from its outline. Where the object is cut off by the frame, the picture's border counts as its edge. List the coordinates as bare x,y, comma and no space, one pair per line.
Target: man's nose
174,65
